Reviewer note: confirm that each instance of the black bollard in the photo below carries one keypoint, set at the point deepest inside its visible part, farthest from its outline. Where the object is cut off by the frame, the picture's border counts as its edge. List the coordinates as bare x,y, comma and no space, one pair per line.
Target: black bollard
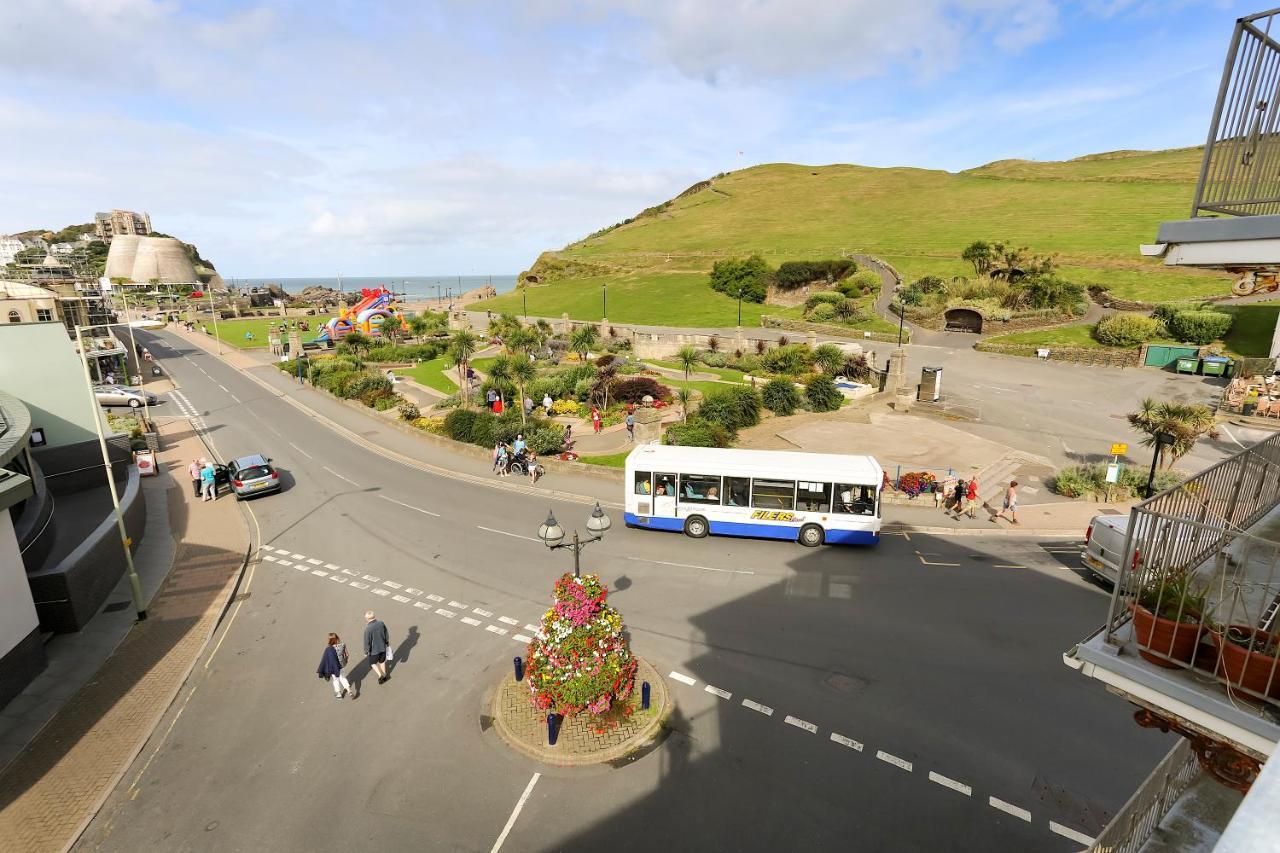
644,696
553,729
519,665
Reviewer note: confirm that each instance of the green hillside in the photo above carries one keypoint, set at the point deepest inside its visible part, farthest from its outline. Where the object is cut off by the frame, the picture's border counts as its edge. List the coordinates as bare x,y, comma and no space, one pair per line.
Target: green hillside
1093,212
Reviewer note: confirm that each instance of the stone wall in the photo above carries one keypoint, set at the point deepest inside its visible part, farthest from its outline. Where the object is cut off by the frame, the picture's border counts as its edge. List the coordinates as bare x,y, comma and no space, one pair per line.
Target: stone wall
1077,355
832,329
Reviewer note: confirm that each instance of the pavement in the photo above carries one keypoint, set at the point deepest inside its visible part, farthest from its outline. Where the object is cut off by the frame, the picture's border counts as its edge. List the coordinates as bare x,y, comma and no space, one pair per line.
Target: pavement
821,695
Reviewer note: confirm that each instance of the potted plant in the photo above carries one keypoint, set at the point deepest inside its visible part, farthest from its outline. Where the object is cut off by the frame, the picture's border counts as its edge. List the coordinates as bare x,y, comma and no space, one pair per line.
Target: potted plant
1248,657
1167,610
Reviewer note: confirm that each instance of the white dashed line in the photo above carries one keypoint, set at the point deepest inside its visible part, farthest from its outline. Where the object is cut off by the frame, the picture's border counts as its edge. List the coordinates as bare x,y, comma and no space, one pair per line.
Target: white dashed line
320,573
380,591
459,605
1009,808
234,397
952,784
494,629
339,476
422,604
268,558
223,387
282,550
508,620
683,679
890,758
331,567
300,567
723,694
403,599
285,562
411,591
521,638
313,561
534,628
756,706
298,556
351,572
371,578
690,566
801,724
448,614
515,813
505,533
393,584
338,578
485,613
1068,832
435,597
467,620
846,741
358,585
409,506
300,450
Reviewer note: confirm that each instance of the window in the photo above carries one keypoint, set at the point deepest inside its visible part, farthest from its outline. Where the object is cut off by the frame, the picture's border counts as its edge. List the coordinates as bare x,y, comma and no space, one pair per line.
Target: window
15,317
44,315
855,500
737,491
699,489
813,497
643,486
664,485
773,494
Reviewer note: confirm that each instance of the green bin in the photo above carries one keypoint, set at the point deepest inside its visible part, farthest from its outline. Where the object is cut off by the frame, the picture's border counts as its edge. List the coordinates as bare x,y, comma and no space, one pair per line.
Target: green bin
1188,365
1214,365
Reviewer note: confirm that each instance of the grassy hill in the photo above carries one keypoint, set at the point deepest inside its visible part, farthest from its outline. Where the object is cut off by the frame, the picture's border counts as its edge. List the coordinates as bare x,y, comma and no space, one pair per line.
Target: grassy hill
1092,211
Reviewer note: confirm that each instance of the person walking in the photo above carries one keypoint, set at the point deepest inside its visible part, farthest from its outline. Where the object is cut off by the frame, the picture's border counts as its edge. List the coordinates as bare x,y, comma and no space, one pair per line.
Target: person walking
332,661
497,455
568,436
945,495
631,427
1010,503
193,471
489,397
962,489
546,403
971,497
504,460
208,481
376,644
497,405
595,418
528,406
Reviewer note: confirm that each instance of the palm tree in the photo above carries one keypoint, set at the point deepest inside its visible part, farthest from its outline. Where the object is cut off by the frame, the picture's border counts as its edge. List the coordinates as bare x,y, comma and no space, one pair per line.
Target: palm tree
688,358
583,339
462,345
420,325
522,371
391,326
685,396
522,340
356,341
830,357
1184,423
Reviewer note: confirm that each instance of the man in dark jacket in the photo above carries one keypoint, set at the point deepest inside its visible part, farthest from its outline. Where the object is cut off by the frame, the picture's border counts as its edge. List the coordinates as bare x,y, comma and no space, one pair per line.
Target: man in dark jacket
376,641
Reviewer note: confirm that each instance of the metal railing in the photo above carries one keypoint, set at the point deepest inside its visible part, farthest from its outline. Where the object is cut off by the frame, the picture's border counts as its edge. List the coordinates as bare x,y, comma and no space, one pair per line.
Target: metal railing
1240,172
1215,588
1138,819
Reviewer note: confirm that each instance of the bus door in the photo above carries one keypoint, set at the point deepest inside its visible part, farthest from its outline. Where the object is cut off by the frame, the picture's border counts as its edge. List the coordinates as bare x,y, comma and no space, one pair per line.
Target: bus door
664,495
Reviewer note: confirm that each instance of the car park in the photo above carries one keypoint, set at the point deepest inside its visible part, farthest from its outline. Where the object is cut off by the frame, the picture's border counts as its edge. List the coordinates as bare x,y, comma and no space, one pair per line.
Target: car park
252,475
119,395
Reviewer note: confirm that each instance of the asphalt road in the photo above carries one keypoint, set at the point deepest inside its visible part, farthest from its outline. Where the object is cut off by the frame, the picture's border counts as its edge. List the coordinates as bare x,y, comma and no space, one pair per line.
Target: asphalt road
929,670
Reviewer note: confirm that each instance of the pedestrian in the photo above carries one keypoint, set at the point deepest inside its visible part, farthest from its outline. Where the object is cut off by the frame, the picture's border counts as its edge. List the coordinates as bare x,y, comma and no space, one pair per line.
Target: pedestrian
948,493
1010,503
568,436
208,481
595,418
528,406
546,403
490,396
377,644
504,459
971,497
497,405
332,661
193,471
962,489
519,445
111,378
497,454
535,470
631,427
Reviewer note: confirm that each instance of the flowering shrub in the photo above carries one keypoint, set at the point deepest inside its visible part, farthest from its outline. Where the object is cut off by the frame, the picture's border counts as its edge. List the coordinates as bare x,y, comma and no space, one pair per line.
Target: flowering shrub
580,661
564,407
915,482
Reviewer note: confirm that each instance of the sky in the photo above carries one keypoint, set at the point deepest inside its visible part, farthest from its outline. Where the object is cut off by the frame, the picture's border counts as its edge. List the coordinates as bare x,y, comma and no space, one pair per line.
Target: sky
406,137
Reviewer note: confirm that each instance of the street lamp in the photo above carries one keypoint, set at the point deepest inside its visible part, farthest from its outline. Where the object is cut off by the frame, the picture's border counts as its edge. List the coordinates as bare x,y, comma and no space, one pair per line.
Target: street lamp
1162,438
739,306
552,534
604,290
524,294
902,313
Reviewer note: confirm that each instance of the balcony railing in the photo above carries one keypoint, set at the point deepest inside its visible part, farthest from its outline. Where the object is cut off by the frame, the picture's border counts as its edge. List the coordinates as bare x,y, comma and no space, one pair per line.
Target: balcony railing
1138,819
1240,173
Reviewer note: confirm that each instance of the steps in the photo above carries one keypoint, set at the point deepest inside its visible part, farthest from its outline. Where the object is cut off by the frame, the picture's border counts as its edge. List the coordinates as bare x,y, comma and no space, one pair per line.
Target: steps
993,479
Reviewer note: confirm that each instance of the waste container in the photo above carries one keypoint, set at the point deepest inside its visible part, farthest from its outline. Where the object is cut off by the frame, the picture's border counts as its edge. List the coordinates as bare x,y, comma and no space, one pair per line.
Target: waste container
1214,365
1187,365
930,384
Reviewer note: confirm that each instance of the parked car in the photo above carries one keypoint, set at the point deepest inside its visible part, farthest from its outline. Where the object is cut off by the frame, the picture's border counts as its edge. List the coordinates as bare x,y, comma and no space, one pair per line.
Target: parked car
118,395
252,475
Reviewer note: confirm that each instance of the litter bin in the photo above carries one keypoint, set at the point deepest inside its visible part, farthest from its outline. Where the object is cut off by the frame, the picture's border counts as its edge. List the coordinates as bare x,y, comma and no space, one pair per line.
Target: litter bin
930,385
1187,365
1214,365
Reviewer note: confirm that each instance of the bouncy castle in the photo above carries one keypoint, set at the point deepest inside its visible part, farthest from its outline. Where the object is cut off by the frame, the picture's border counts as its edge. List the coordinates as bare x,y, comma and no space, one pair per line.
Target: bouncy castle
367,315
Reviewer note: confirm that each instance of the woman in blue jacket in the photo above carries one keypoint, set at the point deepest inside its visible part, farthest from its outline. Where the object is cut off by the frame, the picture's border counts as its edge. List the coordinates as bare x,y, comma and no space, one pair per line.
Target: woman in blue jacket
331,664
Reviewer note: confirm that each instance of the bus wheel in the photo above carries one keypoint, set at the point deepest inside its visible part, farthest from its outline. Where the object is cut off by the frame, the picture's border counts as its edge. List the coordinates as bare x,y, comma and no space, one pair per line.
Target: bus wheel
811,535
695,526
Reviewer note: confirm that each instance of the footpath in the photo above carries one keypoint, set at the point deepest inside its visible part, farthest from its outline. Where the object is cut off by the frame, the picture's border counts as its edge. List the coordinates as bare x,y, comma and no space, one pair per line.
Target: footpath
57,783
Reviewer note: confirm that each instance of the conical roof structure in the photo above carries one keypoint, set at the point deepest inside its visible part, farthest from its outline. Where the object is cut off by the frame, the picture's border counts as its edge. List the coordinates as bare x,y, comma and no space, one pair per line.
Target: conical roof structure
121,256
162,258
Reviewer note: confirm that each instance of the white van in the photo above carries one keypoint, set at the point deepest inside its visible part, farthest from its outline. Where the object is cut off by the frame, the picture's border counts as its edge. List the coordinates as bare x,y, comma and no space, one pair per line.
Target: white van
1103,544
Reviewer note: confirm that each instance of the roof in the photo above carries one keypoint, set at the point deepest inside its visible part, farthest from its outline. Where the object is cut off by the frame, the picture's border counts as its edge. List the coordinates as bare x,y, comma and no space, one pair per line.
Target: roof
798,464
22,290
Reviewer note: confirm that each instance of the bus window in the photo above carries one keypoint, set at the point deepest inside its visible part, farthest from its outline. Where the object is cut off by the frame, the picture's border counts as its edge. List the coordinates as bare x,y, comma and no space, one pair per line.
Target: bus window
737,491
665,485
813,497
642,483
855,500
773,494
699,489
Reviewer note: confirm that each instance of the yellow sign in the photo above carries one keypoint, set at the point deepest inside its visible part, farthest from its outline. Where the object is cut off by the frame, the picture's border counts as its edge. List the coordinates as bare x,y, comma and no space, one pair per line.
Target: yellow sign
767,515
1119,449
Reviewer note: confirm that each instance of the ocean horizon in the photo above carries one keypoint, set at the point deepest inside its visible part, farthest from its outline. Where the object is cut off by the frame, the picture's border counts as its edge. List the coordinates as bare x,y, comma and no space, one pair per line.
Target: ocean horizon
421,286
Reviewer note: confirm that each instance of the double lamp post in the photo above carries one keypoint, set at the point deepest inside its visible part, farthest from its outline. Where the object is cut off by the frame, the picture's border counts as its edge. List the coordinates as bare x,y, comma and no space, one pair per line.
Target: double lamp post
552,535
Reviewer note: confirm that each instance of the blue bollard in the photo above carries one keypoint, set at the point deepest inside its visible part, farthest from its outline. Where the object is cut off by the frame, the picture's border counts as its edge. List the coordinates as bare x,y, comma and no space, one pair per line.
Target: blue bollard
519,665
553,729
644,696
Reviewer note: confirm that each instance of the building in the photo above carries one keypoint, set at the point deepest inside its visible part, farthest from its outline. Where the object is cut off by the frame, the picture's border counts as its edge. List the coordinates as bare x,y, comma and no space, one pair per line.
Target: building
9,249
117,222
149,259
26,303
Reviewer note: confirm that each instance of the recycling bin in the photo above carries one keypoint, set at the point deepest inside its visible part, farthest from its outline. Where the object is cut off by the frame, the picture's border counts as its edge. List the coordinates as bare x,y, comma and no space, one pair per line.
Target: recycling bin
1188,365
1214,365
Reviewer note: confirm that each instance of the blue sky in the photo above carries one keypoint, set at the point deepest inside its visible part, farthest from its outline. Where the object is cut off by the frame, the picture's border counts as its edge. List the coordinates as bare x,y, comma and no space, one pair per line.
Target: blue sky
385,138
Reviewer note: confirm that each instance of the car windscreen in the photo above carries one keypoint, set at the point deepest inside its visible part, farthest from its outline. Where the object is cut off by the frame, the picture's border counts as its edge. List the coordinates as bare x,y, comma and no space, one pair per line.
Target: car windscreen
253,472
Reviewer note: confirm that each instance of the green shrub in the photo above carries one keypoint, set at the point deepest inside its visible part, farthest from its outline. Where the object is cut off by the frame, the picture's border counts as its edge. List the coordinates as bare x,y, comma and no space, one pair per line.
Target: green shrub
635,389
458,423
823,296
733,408
1128,330
791,359
780,396
1199,327
823,312
383,404
697,433
409,411
865,281
793,274
822,395
751,275
547,439
1165,311
713,359
1090,481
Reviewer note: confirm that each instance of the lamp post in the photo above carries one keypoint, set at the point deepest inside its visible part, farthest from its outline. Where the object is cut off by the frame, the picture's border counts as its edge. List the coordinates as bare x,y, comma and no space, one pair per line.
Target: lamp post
524,295
214,312
739,306
1162,438
902,312
137,356
604,290
552,534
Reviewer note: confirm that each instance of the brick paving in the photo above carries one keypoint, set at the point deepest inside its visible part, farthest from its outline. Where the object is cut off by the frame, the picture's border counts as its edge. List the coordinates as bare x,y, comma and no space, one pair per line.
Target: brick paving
50,792
582,739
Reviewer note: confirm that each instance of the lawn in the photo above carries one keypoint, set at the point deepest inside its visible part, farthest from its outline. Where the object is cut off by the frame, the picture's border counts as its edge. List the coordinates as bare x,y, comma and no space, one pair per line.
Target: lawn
431,374
1063,336
612,460
232,331
1251,332
724,373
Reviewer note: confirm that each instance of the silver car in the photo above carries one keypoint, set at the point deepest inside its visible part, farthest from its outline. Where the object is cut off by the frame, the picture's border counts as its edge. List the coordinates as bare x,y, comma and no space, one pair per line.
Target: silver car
118,395
252,475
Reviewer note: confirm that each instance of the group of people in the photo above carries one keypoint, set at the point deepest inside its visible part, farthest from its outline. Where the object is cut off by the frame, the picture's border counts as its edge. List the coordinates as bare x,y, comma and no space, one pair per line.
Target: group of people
518,453
958,497
204,482
377,650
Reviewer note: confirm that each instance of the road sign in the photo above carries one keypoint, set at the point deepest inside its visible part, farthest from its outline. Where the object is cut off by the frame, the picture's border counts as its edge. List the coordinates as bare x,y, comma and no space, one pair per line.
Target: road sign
1119,449
1113,473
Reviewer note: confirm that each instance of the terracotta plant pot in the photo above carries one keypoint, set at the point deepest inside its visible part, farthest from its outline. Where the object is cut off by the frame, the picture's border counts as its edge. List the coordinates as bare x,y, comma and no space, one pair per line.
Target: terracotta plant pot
1175,640
1250,670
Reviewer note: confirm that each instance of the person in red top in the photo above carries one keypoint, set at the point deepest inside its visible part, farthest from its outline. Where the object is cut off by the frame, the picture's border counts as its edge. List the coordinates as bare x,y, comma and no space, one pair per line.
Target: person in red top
497,405
971,497
595,418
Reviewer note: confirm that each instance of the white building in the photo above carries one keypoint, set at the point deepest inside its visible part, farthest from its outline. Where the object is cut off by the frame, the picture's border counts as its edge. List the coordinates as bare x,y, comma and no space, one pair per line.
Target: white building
9,249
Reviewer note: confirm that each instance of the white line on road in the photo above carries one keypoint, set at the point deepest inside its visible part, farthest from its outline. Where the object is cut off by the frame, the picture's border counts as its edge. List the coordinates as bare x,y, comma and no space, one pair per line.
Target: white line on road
467,620
408,506
298,556
422,604
371,578
234,397
351,572
534,628
1232,437
521,638
224,388
952,784
282,550
1009,808
393,584
300,450
268,558
411,591
494,629
313,561
890,758
723,694
1068,832
508,620
434,597
403,599
688,566
511,821
682,678
459,605
801,724
485,613
320,573
331,567
338,578
756,706
505,533
846,741
380,591
448,614
358,585
339,476
285,562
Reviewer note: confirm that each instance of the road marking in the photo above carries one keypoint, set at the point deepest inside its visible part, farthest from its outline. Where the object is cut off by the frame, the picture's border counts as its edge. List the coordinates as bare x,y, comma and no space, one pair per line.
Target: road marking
485,613
929,563
351,572
393,584
846,741
756,706
435,597
340,477
422,604
285,562
300,450
1068,832
801,724
223,387
371,578
377,590
234,397
358,585
682,678
459,605
331,567
268,558
521,638
411,591
282,550
508,620
298,556
448,614
691,566
403,599
890,758
320,573
1009,808
952,784
467,620
505,533
511,821
1001,566
534,628
338,578
723,694
409,506
494,629
1223,427
313,561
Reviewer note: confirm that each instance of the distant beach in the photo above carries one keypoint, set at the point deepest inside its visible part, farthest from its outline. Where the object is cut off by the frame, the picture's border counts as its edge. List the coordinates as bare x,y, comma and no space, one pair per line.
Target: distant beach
412,287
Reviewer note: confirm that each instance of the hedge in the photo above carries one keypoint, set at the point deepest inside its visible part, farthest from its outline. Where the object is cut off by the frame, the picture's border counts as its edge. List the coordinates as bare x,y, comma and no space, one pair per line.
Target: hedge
697,433
780,396
733,408
1128,330
822,395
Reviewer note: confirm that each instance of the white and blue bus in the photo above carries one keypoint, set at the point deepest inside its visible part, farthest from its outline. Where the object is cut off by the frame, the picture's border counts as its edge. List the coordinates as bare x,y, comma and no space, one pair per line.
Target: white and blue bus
811,498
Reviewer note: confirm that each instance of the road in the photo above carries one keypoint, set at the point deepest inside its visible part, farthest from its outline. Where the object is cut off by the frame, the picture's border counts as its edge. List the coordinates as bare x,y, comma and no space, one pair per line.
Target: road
928,670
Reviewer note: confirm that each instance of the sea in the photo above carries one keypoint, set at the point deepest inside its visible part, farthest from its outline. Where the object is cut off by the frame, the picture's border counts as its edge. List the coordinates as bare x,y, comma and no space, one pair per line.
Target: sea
407,286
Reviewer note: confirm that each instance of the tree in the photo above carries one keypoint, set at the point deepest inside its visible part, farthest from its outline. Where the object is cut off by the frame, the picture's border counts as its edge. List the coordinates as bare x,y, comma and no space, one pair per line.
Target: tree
357,341
583,339
751,276
522,371
822,395
829,357
685,396
979,254
522,340
462,345
503,327
1185,423
419,326
391,326
688,358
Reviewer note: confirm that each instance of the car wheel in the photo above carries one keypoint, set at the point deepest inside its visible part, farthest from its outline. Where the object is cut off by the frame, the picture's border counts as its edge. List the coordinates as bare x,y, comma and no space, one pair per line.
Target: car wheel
696,527
133,404
811,535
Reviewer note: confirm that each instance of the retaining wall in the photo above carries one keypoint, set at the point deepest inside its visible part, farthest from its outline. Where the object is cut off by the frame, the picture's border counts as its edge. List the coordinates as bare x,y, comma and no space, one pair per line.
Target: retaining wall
1078,355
